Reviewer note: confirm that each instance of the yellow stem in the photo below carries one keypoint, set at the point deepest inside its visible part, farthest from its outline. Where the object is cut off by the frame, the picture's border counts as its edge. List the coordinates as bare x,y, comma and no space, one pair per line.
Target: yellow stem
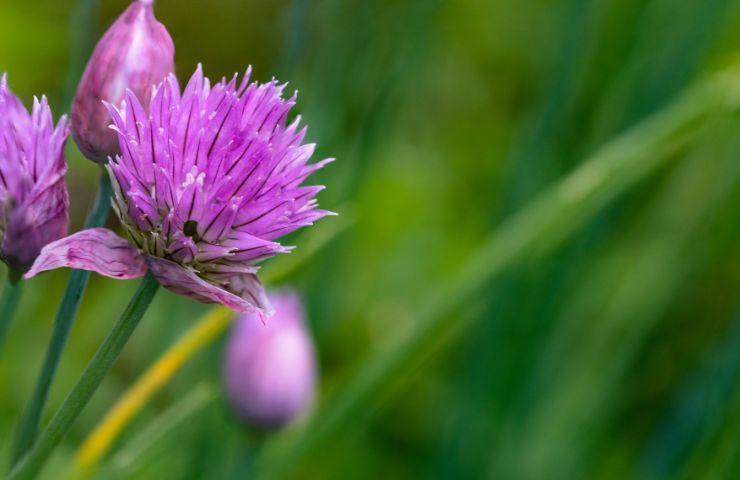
100,440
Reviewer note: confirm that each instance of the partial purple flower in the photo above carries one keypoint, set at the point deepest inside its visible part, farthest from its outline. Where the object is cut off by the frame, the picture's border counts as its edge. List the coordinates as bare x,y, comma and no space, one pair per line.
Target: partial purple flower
205,184
33,196
135,53
270,369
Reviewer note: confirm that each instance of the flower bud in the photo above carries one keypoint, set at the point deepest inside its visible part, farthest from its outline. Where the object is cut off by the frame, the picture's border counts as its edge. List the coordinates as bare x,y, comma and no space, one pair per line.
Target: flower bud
135,53
33,195
270,368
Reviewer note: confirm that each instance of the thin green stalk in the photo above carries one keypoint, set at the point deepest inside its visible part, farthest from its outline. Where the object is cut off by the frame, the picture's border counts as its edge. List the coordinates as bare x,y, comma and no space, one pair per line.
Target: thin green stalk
31,464
29,425
540,226
9,302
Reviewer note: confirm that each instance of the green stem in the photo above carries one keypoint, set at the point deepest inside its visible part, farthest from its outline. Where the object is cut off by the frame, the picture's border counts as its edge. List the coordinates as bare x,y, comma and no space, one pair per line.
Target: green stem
30,465
29,425
9,302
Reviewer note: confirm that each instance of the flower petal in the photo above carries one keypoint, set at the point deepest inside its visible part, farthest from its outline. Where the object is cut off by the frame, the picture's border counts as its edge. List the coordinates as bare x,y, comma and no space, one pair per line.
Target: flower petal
242,293
96,249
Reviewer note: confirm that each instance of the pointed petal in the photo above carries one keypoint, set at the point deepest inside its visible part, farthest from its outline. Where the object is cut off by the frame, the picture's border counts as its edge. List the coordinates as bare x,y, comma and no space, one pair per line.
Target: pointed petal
241,293
96,249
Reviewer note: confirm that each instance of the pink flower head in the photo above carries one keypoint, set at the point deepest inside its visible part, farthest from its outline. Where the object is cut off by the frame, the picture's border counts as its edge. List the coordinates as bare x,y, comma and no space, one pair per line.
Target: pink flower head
33,196
205,184
270,370
135,53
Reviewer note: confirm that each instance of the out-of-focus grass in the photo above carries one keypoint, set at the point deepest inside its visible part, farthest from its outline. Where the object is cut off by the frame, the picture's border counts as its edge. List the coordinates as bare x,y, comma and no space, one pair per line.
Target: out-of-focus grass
610,357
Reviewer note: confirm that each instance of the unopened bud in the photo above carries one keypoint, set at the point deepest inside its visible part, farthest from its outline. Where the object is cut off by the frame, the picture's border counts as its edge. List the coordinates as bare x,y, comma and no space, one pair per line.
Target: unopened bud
135,53
270,368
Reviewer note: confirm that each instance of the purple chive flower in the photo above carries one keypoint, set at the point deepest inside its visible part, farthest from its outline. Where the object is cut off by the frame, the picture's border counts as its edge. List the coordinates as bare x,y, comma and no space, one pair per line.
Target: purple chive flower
270,369
33,196
205,184
135,53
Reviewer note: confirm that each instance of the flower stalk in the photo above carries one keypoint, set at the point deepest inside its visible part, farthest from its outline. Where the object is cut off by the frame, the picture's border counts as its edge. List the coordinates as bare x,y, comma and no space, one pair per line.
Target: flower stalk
9,302
32,463
78,279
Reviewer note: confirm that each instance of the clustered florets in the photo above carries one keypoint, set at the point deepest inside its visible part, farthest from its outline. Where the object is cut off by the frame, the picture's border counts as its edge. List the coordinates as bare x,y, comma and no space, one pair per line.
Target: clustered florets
206,181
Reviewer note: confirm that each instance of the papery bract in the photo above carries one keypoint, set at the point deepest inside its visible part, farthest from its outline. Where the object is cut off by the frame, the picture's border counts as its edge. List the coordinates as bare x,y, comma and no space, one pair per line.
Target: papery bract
205,183
96,249
270,369
33,195
136,52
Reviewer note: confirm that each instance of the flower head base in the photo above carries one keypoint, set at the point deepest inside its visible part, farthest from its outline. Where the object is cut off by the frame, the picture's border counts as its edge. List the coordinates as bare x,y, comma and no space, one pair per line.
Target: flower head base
270,370
204,185
33,196
135,53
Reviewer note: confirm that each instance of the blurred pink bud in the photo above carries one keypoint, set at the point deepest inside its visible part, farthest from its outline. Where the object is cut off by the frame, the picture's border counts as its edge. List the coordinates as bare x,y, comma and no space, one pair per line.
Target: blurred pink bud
135,53
270,368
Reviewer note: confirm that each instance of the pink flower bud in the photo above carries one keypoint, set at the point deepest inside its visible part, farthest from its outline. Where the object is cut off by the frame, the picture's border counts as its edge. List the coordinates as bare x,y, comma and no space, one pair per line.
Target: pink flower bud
135,53
270,368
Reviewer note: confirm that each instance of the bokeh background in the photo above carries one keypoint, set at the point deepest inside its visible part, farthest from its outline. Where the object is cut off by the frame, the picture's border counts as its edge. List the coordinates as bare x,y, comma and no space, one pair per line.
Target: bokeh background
614,353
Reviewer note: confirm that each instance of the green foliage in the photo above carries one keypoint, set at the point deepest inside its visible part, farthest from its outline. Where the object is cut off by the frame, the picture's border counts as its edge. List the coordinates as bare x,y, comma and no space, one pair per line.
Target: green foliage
606,344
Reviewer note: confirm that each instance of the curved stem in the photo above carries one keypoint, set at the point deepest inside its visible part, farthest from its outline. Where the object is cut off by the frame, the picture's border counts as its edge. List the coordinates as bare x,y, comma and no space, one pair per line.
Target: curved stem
29,425
9,302
31,464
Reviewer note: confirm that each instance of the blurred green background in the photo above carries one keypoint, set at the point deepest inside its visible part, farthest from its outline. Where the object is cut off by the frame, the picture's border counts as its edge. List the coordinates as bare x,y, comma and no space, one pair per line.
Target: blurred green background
614,355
